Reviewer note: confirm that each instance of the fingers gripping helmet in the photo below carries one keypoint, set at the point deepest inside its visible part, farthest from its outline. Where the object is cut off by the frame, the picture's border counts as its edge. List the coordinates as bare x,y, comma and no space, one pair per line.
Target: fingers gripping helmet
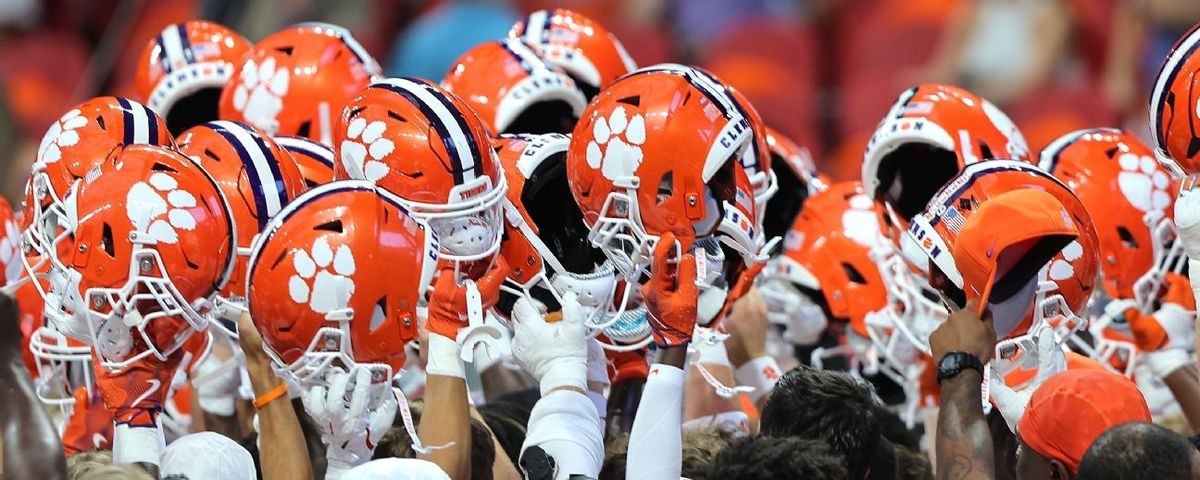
181,71
1173,114
1111,171
655,153
425,145
153,247
296,81
10,245
315,160
76,143
1013,237
324,289
928,136
588,52
514,90
258,178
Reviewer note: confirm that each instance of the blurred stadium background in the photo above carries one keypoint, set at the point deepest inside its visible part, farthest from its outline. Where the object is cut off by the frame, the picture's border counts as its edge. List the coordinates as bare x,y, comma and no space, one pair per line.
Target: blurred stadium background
821,71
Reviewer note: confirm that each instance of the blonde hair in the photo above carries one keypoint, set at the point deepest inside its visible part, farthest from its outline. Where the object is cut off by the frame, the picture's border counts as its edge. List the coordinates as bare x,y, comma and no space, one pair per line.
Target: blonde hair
97,465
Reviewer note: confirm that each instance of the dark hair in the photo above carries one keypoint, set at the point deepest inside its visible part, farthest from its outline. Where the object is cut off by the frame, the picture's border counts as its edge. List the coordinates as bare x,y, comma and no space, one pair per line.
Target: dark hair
483,451
1138,450
912,465
832,407
397,444
509,423
615,454
776,457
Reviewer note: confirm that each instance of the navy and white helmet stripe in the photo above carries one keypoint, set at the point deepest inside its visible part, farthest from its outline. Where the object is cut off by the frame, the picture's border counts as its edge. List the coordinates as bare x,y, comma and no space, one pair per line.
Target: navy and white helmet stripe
175,47
141,124
950,193
1048,160
351,43
707,85
459,140
528,59
261,166
537,27
306,147
1166,76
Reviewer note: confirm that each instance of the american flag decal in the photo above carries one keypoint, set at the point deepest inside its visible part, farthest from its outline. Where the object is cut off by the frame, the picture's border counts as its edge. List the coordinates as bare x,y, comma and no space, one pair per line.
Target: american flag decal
954,220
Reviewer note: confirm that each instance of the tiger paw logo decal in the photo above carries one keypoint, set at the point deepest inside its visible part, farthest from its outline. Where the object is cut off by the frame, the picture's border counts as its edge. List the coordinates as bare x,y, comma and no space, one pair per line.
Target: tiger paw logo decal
1061,268
259,93
365,141
1143,183
616,146
61,135
148,202
322,278
860,222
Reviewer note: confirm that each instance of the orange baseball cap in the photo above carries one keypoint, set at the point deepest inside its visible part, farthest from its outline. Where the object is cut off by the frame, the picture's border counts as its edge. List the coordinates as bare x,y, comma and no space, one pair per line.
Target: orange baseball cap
1068,412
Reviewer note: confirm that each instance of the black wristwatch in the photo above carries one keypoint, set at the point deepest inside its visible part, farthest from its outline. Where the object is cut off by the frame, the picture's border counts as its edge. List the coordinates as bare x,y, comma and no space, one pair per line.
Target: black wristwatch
954,362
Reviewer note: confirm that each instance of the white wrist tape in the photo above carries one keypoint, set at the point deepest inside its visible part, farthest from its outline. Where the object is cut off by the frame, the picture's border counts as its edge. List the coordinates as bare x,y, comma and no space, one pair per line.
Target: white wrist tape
761,373
138,444
444,358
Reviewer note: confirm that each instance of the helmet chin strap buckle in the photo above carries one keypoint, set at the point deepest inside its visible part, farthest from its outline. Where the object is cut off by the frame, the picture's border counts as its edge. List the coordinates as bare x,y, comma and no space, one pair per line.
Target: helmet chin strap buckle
476,333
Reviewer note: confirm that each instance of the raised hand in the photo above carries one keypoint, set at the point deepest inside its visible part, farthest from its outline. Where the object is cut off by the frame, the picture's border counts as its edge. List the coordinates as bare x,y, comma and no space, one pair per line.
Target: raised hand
670,296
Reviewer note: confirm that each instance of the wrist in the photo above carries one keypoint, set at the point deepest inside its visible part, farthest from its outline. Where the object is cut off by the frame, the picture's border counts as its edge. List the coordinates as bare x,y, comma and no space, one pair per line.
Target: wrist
444,357
761,373
564,373
138,444
955,363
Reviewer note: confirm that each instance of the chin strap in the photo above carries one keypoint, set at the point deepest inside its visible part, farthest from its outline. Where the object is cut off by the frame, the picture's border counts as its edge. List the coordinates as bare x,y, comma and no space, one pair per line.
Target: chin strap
477,332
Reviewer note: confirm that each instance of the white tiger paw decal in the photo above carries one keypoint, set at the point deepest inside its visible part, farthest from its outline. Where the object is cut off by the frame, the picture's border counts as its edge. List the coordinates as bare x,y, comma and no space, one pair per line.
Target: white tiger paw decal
145,204
860,222
1143,183
1060,267
60,135
9,238
616,148
314,284
259,93
362,140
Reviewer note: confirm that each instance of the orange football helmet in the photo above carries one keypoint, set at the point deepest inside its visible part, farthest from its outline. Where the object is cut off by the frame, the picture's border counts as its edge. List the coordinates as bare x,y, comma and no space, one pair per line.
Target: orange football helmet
1015,238
423,144
514,90
1177,136
587,51
655,152
182,71
154,244
295,81
928,136
258,178
794,171
325,291
1113,172
75,144
315,160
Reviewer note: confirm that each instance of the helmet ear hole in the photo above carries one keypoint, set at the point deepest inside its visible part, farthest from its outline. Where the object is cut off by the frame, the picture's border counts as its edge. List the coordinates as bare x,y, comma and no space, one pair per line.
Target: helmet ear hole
1127,239
853,274
106,240
666,187
379,314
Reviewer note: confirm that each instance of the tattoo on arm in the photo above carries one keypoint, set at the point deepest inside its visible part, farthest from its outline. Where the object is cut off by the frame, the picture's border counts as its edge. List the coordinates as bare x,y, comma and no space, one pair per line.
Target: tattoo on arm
964,443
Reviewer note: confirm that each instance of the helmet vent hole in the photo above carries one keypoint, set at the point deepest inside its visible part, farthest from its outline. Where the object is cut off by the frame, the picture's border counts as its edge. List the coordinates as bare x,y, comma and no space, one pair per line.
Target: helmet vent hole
100,122
1127,238
356,111
158,167
209,153
377,315
396,116
334,226
985,151
279,259
853,274
304,128
285,50
635,100
106,238
1112,152
666,187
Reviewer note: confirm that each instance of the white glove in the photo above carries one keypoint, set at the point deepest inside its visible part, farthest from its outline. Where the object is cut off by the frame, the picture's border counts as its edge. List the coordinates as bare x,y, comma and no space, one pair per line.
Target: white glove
217,383
1048,357
1187,224
353,415
1180,326
597,374
554,353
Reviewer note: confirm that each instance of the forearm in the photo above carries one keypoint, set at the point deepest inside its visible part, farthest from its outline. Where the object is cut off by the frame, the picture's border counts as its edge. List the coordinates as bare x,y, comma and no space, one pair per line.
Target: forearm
31,445
701,400
446,420
1185,385
499,380
964,444
655,439
285,453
